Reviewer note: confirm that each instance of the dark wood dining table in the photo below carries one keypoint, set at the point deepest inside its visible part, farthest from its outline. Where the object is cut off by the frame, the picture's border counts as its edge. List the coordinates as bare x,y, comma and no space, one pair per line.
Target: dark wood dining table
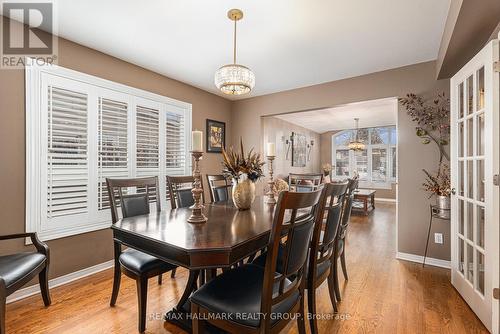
228,237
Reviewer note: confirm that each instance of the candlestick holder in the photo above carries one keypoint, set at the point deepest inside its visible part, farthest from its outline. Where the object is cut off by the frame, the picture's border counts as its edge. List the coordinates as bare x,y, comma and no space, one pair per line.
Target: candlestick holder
270,193
197,215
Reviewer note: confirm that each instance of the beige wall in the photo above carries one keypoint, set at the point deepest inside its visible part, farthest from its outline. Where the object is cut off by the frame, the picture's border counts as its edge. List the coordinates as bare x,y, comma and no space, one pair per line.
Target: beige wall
78,252
413,156
273,129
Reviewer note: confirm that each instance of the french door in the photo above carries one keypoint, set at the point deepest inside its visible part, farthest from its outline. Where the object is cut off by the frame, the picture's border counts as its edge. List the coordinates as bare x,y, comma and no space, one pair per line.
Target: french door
475,200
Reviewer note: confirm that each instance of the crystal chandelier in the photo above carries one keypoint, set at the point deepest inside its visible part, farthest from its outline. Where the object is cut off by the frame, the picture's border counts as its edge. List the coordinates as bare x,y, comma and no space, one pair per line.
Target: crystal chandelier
234,79
356,144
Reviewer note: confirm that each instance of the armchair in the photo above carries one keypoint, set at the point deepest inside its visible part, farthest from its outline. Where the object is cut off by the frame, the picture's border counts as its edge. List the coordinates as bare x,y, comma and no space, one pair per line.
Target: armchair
18,269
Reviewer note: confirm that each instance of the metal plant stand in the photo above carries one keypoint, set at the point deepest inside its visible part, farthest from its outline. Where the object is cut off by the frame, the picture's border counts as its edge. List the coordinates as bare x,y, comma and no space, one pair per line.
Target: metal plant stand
439,213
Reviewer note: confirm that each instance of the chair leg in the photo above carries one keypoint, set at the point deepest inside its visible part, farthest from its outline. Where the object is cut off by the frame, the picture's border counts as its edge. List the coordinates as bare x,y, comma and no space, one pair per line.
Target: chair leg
311,304
172,273
336,279
331,290
117,275
160,279
342,262
3,300
142,299
197,324
301,324
43,278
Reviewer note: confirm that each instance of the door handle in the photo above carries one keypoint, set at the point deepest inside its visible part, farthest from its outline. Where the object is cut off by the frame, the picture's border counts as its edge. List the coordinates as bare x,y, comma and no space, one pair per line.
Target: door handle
453,191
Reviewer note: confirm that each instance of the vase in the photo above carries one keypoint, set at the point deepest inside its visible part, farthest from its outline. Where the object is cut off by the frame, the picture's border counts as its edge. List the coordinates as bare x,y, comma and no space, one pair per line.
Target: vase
443,204
243,193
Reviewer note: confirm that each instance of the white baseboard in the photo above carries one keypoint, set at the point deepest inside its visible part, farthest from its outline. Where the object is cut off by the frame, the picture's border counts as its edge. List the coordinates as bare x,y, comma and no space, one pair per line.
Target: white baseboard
420,259
61,280
392,200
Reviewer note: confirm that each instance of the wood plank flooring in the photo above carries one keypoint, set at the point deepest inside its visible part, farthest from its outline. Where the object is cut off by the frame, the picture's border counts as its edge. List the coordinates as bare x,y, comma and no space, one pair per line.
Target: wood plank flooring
383,295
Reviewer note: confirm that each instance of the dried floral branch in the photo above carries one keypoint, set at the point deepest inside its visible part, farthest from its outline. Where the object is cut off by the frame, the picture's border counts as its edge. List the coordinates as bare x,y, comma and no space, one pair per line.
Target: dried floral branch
439,184
432,118
237,164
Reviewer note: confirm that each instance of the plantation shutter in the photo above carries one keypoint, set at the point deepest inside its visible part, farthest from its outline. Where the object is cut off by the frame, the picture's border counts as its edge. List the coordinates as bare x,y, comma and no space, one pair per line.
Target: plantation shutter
67,153
148,144
112,146
175,148
148,135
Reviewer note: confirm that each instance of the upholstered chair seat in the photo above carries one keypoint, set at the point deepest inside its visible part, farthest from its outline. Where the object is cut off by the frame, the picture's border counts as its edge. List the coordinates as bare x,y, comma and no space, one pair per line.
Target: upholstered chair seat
14,267
239,291
140,262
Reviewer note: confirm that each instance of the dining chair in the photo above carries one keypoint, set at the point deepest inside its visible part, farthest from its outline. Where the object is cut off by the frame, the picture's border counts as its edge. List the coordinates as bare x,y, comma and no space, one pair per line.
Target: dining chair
339,251
131,262
304,182
322,247
219,188
19,268
180,196
254,290
179,191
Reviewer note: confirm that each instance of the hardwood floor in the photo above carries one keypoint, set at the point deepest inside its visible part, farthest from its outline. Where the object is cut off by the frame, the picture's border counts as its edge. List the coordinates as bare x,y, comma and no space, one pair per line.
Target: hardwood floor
383,295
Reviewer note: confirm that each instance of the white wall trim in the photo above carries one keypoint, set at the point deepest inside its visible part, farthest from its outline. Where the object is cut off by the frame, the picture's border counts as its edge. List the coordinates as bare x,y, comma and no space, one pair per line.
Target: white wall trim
420,259
382,199
61,280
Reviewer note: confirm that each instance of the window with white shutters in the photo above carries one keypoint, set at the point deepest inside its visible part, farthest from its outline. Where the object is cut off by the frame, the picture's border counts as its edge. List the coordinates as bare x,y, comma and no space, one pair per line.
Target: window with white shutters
81,130
67,153
113,142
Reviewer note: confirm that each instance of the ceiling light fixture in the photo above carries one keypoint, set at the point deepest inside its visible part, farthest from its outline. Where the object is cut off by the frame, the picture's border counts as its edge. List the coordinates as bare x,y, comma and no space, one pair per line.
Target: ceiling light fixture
356,144
234,79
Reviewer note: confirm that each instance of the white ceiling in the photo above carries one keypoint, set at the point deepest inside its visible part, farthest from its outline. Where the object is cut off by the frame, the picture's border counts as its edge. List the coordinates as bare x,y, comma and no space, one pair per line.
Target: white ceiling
370,113
287,43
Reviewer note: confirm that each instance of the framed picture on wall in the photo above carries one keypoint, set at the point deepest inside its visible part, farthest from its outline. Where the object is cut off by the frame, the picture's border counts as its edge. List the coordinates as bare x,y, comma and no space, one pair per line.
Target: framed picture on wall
216,136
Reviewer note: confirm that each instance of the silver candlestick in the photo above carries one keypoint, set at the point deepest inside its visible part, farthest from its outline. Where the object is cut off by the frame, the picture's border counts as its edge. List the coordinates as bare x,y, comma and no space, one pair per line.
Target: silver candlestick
197,215
270,193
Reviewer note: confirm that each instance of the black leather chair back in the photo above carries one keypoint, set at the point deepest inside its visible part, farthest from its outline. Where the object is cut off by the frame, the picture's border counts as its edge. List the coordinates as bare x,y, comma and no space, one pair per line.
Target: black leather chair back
219,188
332,225
297,230
133,204
184,198
347,207
179,191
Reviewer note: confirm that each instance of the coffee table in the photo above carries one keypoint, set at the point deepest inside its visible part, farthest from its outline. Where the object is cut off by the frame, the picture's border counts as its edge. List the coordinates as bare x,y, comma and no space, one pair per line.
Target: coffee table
364,201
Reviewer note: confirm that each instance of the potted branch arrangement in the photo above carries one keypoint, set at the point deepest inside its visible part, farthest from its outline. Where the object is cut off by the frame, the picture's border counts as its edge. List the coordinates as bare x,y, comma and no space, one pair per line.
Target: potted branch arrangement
244,170
433,127
439,184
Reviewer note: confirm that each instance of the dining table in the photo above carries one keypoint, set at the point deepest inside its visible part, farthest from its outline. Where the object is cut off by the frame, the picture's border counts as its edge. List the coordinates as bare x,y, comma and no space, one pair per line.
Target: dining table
227,238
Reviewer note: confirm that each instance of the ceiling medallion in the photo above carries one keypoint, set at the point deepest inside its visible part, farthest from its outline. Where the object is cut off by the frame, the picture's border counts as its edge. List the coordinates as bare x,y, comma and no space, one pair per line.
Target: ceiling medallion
234,79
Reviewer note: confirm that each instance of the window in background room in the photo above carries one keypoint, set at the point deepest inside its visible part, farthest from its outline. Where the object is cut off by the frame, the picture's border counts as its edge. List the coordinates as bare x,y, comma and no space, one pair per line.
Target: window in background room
81,130
376,164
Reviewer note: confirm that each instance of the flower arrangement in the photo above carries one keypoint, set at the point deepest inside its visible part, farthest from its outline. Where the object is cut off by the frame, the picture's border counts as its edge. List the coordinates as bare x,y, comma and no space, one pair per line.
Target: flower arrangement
236,164
438,184
327,168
